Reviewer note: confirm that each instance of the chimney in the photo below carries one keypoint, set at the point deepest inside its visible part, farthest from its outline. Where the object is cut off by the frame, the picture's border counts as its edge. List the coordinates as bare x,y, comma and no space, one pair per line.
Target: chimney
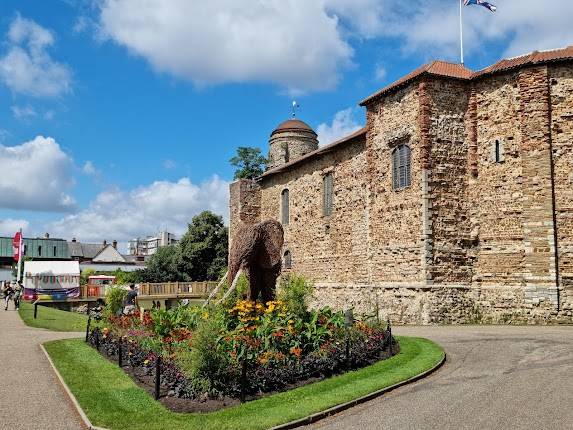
104,242
114,244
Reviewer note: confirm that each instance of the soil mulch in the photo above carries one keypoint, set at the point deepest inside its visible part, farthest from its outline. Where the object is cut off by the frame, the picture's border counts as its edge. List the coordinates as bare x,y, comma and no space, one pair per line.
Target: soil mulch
185,405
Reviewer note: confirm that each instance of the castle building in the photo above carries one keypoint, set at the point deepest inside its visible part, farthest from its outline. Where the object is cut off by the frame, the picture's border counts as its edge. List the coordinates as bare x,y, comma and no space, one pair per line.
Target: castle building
453,204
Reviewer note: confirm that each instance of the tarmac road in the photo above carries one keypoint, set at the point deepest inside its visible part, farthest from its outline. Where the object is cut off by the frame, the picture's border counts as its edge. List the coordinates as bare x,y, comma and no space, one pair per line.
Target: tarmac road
495,377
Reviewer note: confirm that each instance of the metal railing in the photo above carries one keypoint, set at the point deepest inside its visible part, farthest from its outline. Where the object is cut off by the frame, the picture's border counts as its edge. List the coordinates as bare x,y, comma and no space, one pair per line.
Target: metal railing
158,290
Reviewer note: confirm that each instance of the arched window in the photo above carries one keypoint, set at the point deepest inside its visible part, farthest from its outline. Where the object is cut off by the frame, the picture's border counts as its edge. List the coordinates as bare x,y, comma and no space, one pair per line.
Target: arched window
327,188
401,167
284,207
287,260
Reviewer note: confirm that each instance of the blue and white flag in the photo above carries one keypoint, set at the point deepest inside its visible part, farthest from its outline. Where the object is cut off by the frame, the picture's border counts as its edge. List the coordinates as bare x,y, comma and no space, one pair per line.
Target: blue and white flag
481,3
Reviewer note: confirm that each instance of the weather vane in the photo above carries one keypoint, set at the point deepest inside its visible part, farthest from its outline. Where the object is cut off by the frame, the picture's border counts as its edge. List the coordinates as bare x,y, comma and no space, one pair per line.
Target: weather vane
295,106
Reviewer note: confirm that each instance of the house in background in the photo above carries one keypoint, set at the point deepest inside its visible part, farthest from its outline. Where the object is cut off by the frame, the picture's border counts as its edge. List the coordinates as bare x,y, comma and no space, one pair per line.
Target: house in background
102,257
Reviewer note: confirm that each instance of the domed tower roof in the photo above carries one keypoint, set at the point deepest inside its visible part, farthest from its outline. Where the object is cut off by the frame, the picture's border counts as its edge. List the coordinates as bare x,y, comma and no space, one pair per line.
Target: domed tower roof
292,125
292,139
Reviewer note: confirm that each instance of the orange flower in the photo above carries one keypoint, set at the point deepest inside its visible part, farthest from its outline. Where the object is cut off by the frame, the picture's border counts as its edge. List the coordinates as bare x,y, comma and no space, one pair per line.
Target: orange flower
296,351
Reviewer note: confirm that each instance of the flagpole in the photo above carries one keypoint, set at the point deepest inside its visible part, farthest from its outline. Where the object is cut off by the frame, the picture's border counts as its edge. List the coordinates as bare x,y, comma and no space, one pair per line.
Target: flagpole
20,245
461,35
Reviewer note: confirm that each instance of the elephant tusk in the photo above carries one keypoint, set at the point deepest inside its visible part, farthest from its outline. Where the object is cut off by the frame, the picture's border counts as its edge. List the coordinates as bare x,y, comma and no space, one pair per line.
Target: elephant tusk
233,286
216,289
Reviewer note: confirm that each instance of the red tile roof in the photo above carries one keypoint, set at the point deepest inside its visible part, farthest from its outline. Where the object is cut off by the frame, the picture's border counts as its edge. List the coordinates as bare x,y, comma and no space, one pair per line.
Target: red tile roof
292,124
457,71
437,68
323,150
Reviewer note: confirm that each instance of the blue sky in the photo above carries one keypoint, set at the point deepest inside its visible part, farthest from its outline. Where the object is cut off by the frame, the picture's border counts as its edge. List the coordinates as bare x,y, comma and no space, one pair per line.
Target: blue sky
119,116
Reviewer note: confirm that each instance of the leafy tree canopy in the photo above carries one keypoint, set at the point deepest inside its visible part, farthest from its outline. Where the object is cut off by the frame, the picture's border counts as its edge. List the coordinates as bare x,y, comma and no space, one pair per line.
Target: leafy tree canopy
249,163
200,255
204,247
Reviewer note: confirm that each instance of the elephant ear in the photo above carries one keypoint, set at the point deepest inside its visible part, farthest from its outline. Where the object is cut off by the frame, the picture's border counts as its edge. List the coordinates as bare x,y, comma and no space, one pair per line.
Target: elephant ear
271,235
244,245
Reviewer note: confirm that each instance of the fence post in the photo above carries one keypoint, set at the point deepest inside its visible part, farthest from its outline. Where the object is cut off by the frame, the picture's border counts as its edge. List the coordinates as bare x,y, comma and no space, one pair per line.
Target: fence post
389,329
157,376
35,310
88,327
243,380
348,322
120,352
97,338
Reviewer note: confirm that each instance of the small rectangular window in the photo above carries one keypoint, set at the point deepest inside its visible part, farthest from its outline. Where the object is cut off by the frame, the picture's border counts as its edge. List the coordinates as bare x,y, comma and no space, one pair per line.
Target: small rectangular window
327,200
39,251
54,251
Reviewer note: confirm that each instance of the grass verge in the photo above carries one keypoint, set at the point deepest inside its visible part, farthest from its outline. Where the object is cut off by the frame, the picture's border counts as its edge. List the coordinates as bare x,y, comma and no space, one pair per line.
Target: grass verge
112,400
52,319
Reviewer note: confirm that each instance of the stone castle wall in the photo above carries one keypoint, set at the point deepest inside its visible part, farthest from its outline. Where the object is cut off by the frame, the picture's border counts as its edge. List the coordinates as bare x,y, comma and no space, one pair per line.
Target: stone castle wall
474,238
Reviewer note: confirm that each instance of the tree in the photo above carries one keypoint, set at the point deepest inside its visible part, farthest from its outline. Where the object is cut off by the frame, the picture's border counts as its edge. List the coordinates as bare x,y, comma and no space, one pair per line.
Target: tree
164,265
204,247
249,163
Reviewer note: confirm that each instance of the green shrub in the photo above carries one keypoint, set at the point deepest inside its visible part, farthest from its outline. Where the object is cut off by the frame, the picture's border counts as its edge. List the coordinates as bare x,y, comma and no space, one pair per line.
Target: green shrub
296,292
204,362
114,298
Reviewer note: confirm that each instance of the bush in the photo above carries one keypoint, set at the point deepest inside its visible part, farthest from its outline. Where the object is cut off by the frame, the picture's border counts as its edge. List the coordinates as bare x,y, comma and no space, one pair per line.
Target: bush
205,364
114,298
296,292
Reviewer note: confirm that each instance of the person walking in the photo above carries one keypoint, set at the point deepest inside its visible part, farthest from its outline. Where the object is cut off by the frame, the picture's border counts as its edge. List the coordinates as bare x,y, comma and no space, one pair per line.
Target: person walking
130,301
7,292
17,295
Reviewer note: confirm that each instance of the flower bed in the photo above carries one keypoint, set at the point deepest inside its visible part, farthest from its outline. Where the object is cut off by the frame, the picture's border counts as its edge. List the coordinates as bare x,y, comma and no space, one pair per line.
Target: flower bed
243,350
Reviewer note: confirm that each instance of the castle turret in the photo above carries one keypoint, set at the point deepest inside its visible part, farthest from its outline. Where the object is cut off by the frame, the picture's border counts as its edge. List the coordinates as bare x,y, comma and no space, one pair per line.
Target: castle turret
291,140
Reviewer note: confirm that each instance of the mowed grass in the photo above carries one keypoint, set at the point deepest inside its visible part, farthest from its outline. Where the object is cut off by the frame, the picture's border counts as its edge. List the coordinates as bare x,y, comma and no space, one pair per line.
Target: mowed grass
112,400
52,319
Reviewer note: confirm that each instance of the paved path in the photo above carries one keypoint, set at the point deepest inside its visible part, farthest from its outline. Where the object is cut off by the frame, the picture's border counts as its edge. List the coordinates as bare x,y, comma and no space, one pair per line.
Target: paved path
495,377
30,395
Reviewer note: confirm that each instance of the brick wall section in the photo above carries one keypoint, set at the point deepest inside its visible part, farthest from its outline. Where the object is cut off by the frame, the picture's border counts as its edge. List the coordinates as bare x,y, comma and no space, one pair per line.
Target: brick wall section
448,182
538,227
561,87
471,120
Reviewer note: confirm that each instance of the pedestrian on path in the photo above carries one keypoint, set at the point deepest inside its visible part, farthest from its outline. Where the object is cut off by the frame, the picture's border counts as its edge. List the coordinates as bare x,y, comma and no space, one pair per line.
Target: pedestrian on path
17,295
130,301
7,293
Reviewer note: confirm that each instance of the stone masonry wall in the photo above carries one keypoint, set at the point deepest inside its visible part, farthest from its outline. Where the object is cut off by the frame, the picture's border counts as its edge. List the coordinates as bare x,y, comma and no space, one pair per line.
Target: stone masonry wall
447,181
325,249
396,254
244,204
496,194
561,87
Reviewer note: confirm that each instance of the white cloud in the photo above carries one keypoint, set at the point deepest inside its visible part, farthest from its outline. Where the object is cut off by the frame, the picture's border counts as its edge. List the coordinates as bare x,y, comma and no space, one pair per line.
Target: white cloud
89,169
123,215
9,226
294,43
380,73
27,67
433,30
169,164
36,176
343,124
24,112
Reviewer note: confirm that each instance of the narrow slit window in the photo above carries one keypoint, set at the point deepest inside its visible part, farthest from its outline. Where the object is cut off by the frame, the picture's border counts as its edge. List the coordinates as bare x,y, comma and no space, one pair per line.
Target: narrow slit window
39,251
285,207
498,152
54,251
327,203
401,175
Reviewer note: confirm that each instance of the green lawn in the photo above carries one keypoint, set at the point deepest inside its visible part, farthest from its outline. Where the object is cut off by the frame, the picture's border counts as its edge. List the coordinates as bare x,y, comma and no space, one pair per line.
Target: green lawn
52,319
112,400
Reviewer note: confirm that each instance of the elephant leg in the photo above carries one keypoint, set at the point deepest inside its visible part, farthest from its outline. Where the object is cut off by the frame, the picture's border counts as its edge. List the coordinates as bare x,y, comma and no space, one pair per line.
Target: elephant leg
255,280
269,283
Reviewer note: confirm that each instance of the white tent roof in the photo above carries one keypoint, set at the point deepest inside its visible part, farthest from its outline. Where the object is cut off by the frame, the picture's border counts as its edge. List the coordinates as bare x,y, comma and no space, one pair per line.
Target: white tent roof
53,268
